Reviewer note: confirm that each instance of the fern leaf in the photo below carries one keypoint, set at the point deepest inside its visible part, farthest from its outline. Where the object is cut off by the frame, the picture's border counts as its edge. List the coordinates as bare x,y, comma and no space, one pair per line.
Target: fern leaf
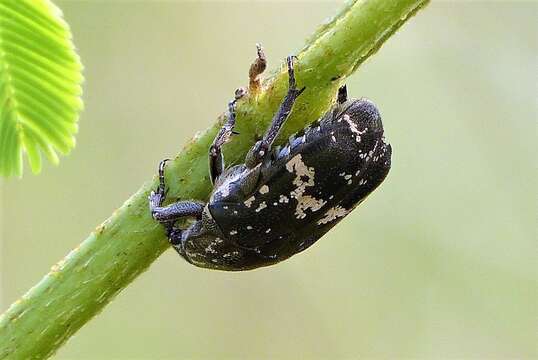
40,85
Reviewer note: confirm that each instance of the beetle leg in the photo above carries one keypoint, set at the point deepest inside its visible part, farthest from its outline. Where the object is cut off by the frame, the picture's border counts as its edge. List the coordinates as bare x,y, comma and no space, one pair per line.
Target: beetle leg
174,236
256,69
176,211
168,214
342,94
262,147
156,198
216,160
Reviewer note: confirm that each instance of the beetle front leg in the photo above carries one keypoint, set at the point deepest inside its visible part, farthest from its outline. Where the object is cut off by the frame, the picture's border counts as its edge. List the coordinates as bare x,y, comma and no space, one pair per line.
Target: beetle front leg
216,160
176,211
157,197
262,147
168,214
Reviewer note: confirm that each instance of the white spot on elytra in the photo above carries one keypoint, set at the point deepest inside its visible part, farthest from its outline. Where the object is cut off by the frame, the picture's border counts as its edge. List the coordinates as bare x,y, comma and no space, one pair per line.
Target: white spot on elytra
332,214
264,189
353,128
209,249
304,178
283,199
249,201
268,231
233,232
262,206
249,227
308,202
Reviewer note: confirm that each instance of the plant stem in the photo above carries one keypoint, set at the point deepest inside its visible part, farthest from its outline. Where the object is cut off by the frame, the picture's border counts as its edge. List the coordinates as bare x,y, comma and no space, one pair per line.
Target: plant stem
117,251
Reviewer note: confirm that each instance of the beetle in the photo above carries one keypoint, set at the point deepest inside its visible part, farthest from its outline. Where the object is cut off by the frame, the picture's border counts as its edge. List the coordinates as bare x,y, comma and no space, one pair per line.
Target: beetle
281,199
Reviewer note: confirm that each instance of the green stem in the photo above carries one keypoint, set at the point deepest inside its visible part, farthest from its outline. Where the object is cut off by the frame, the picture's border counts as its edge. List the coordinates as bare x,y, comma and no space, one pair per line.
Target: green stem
117,251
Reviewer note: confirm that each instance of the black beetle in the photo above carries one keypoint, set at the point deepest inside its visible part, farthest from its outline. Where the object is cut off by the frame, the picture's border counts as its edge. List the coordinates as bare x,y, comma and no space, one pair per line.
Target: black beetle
281,200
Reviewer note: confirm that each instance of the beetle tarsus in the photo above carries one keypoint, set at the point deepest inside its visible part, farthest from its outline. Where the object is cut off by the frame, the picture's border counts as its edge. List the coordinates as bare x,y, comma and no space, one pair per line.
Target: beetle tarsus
162,185
293,91
239,93
291,72
157,197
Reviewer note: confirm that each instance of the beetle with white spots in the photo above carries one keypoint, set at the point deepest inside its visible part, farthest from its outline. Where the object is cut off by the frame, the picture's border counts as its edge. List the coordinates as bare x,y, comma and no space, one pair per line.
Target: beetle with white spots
281,200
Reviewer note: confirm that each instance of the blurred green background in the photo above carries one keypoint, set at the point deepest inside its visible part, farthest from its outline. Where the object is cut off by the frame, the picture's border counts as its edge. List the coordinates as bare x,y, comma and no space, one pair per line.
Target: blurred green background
440,262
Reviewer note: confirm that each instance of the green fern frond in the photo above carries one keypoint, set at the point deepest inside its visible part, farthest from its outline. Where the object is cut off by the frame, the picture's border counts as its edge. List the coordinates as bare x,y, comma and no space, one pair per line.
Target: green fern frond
40,85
